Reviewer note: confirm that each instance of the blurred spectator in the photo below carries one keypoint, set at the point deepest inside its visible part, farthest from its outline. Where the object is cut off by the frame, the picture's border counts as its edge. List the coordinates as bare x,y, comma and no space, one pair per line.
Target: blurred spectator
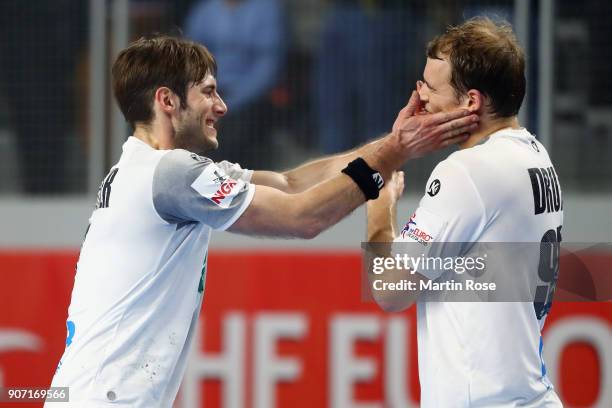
362,76
39,44
247,40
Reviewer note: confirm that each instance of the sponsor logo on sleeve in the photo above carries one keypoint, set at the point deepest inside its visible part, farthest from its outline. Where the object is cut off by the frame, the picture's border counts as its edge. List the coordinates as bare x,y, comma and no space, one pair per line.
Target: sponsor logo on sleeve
412,232
217,186
434,188
423,227
219,178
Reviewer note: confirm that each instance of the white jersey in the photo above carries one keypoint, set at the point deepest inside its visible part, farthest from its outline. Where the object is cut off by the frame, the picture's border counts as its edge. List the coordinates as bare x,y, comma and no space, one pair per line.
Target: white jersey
487,354
140,276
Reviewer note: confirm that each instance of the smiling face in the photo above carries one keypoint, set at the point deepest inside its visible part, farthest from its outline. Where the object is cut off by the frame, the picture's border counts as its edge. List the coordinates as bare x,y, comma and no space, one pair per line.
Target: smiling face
435,91
195,128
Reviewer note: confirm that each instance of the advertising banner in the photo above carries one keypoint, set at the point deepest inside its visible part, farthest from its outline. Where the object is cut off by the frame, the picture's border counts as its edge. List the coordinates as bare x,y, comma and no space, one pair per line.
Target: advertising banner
285,329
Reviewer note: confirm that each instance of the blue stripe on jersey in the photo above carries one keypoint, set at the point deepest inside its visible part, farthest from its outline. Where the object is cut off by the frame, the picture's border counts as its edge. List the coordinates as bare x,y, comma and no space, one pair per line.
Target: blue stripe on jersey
544,379
541,359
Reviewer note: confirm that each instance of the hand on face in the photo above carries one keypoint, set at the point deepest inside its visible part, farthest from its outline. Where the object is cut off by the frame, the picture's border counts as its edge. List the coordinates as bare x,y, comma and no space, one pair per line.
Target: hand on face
417,134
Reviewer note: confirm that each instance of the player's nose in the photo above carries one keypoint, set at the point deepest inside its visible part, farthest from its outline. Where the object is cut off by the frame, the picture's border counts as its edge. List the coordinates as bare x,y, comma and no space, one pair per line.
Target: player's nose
220,108
421,91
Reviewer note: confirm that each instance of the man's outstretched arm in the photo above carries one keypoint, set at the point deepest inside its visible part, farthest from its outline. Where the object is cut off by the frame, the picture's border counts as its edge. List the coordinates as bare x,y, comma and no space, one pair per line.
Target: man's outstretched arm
275,213
301,178
310,173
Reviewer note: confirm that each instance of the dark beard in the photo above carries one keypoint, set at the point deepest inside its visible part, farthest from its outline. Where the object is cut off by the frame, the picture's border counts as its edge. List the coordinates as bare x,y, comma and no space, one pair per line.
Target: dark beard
193,140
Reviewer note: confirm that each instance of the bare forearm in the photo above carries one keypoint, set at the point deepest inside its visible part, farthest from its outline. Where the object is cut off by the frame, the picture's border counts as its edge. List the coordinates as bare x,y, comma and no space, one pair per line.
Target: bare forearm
323,206
308,174
304,215
381,220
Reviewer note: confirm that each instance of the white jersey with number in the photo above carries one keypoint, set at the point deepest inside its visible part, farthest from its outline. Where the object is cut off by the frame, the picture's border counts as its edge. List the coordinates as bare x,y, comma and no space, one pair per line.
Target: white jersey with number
487,354
140,276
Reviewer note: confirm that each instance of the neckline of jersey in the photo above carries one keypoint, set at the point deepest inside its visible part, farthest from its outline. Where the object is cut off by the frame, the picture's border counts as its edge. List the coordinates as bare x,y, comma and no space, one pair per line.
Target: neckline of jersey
520,133
509,131
134,139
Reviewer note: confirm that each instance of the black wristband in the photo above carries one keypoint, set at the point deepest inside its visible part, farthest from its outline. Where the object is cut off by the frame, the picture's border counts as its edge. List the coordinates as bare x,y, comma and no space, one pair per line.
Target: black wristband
369,180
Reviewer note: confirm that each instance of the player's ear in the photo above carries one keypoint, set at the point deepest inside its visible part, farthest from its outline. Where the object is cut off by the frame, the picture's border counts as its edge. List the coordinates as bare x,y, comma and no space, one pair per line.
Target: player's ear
475,100
167,100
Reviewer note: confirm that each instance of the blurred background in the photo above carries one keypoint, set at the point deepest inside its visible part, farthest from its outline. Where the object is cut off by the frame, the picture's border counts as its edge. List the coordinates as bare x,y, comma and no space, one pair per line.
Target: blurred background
302,78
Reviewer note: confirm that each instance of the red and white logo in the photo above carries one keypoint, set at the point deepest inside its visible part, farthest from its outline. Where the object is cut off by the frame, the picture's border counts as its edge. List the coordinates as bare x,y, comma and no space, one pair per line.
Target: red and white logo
218,187
223,191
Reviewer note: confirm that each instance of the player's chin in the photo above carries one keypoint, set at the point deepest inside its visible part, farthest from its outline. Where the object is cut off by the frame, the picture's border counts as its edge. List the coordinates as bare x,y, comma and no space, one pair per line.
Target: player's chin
211,140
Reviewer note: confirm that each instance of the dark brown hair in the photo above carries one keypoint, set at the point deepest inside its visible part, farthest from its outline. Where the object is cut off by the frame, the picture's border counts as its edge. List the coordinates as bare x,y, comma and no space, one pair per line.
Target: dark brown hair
486,56
150,63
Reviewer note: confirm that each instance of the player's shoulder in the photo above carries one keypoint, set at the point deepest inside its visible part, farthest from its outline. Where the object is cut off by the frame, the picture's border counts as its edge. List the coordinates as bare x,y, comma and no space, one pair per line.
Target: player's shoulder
450,183
466,172
185,158
455,167
472,157
178,168
452,196
178,162
497,155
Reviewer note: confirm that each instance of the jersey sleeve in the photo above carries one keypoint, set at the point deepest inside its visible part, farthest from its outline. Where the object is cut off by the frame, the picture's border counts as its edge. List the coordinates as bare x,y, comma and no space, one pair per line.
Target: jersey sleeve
235,171
192,188
450,215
